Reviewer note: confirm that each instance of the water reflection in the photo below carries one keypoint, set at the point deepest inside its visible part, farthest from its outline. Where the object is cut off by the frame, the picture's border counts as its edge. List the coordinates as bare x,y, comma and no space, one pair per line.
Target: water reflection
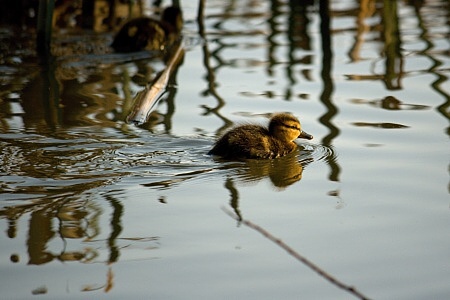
328,87
56,119
391,36
281,172
67,218
116,228
390,103
297,35
299,41
210,73
392,54
56,96
384,125
392,45
426,37
366,10
75,220
42,109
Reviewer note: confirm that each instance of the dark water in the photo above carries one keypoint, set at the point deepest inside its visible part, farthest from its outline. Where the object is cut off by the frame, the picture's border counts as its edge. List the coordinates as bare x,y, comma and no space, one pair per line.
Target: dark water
93,207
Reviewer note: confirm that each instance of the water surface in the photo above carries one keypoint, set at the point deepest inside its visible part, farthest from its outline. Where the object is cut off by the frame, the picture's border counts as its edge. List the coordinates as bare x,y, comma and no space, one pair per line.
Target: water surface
93,207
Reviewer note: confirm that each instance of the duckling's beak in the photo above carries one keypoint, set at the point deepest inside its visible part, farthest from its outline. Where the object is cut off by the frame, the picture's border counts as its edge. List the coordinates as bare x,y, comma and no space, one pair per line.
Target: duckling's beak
304,135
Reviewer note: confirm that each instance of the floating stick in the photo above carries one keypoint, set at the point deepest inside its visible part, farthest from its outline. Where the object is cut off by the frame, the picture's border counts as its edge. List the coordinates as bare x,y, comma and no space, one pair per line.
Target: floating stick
147,99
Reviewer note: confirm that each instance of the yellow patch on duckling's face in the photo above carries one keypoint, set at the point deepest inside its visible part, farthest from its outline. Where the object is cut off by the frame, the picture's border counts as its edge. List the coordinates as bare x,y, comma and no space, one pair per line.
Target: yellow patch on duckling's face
285,127
291,130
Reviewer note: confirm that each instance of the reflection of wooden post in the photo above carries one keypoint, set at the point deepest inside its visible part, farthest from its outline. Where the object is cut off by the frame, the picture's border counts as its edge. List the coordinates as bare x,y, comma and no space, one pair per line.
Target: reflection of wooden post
366,9
51,95
234,194
439,84
210,75
391,45
200,17
328,87
44,26
298,37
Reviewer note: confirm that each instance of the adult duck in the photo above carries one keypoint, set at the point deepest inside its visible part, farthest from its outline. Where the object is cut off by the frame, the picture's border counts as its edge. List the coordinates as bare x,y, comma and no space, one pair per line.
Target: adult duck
146,33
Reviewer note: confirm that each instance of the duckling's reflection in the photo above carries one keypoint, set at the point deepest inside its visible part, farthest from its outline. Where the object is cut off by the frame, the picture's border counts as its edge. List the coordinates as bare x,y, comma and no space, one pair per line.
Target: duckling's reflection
282,172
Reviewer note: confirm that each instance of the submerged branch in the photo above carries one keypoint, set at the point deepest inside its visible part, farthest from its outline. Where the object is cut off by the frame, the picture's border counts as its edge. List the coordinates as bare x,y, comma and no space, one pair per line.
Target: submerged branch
146,100
298,256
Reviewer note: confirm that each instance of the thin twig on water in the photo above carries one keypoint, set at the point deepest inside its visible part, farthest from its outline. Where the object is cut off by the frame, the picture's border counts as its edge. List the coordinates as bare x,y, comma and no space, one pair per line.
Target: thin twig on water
298,256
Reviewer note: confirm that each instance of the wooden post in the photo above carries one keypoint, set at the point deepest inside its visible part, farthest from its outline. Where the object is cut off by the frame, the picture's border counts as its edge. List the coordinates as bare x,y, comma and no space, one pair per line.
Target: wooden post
44,26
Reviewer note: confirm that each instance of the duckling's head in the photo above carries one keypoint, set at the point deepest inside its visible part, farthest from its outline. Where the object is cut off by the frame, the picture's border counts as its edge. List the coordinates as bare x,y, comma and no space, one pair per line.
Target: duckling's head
174,17
286,127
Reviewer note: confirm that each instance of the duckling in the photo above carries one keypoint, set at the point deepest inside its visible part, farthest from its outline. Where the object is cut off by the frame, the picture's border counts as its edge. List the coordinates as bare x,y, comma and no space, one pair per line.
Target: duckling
254,141
150,34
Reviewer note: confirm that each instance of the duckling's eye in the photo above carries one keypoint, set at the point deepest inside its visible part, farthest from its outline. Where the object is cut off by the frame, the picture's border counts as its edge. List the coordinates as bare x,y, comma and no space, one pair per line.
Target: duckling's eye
292,127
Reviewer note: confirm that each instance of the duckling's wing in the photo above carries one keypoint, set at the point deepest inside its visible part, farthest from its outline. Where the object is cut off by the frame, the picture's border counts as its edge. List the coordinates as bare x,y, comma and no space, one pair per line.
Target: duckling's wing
248,141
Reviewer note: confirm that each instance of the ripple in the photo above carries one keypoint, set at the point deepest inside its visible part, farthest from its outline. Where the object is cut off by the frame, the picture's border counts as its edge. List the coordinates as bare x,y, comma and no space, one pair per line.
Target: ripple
58,166
317,152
